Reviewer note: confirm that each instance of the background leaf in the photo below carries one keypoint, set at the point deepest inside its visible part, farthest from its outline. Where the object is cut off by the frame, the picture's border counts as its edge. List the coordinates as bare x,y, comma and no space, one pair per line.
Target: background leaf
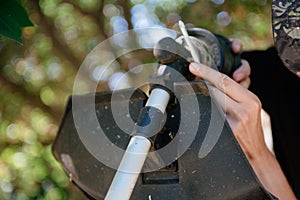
13,18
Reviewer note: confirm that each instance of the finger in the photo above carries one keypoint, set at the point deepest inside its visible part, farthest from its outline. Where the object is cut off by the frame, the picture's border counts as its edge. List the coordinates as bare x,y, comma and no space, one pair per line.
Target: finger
231,109
221,81
245,83
228,106
225,102
236,46
243,72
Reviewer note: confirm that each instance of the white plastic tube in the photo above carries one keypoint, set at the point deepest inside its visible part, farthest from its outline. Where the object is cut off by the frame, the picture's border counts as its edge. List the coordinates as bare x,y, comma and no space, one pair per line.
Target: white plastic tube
189,42
159,99
129,169
135,154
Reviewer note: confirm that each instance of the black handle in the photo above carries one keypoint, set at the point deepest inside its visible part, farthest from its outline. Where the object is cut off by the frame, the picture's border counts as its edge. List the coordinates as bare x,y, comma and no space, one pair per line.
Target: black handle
230,60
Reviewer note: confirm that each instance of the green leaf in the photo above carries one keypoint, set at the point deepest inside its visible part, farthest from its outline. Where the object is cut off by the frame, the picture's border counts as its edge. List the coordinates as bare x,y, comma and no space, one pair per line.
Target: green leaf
13,18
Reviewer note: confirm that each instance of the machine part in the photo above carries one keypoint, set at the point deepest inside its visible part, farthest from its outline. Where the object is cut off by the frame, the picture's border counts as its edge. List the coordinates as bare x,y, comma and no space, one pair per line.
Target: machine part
189,43
207,47
130,167
224,173
150,122
213,50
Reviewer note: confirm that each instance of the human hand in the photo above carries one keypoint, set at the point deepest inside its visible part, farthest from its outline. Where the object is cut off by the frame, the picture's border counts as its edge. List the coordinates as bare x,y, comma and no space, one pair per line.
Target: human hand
241,74
241,107
243,113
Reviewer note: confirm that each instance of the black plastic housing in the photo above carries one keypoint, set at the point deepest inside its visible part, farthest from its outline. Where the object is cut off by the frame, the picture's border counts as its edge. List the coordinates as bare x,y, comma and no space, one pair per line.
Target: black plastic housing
224,173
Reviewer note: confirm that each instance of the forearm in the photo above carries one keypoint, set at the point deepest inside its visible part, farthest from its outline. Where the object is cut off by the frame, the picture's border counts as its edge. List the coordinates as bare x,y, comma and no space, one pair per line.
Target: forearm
271,175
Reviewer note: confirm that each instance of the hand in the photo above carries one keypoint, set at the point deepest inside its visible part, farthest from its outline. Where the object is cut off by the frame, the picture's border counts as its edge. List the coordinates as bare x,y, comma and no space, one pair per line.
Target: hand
242,109
241,74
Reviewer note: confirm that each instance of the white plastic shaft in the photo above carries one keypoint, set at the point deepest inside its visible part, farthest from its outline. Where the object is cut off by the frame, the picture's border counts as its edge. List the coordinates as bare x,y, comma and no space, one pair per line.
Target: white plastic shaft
159,99
129,169
135,154
189,42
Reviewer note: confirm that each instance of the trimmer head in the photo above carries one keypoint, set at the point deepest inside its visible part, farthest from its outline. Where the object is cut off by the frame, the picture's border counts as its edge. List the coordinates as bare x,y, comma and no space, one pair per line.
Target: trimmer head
223,174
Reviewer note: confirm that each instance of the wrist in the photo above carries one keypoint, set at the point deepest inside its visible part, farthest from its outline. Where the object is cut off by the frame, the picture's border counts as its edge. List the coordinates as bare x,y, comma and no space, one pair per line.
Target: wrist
270,174
262,160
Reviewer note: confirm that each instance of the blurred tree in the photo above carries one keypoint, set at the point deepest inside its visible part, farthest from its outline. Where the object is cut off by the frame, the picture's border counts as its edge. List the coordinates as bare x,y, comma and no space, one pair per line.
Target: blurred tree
36,78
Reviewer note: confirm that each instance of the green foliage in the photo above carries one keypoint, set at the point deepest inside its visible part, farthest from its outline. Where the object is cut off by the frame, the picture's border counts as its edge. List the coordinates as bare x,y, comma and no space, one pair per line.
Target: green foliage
13,18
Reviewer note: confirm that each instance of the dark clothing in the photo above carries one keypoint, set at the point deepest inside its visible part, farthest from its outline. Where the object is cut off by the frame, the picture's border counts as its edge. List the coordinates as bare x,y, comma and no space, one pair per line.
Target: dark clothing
279,92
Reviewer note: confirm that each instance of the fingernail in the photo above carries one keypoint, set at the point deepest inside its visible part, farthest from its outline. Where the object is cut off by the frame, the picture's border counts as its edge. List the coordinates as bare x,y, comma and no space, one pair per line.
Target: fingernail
236,47
195,66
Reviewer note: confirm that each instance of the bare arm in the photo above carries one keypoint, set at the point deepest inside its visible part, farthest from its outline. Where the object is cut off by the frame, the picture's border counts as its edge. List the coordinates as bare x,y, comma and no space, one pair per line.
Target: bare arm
242,109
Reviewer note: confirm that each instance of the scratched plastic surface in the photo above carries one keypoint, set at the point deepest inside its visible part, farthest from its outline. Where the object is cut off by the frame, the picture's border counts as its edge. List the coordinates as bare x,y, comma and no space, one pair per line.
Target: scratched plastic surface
223,174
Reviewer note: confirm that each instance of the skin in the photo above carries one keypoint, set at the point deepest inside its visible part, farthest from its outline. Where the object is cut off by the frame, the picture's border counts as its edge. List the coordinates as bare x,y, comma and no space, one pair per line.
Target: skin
243,113
242,74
